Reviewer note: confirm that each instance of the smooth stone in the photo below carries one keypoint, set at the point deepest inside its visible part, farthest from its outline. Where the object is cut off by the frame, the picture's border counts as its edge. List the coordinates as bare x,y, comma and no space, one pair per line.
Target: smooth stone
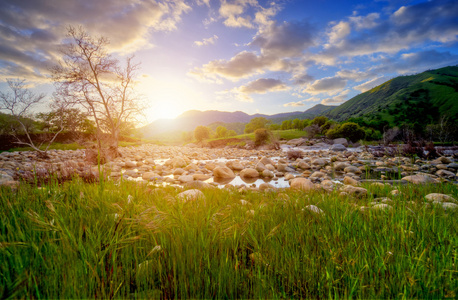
340,166
319,162
342,141
249,173
353,190
234,165
350,181
130,164
445,173
185,178
265,186
191,195
449,206
419,179
338,147
302,184
267,173
382,206
352,169
223,172
439,197
201,177
315,209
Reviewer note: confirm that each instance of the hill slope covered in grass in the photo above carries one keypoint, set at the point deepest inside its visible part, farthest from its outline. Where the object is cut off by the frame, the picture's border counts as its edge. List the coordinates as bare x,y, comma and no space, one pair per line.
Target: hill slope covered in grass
422,98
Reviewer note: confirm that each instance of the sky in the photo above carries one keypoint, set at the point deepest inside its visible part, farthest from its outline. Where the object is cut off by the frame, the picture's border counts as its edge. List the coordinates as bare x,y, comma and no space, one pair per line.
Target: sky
237,55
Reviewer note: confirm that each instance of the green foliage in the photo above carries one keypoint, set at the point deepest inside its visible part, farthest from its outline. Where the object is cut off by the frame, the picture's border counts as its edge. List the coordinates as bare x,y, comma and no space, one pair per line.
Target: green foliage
348,130
372,134
420,98
256,123
262,136
352,131
201,133
221,132
124,240
286,125
231,133
275,127
320,121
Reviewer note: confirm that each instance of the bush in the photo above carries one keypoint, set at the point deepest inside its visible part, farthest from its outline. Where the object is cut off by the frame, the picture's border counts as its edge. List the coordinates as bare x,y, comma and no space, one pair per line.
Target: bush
201,133
352,131
312,130
320,121
261,136
294,154
333,133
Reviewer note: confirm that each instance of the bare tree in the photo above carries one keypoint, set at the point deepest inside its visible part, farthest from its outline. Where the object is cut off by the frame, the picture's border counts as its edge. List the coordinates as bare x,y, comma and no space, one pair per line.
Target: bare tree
89,77
19,103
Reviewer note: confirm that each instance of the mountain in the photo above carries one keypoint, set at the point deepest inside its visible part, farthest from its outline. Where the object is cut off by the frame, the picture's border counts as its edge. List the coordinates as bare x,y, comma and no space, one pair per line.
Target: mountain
189,120
421,97
416,99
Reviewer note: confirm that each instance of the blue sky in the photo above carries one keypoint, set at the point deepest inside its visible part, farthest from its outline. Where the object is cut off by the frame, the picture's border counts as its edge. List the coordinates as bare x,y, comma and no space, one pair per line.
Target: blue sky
250,55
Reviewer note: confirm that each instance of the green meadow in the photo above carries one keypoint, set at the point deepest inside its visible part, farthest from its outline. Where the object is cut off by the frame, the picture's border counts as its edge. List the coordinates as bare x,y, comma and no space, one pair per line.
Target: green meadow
124,240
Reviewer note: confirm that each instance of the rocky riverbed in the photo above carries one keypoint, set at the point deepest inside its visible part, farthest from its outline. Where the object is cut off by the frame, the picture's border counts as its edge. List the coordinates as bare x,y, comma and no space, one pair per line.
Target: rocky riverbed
322,166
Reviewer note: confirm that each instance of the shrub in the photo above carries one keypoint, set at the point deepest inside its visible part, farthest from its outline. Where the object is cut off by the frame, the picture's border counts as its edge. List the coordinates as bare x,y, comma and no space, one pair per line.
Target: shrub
333,133
352,131
320,121
294,154
261,136
201,132
312,130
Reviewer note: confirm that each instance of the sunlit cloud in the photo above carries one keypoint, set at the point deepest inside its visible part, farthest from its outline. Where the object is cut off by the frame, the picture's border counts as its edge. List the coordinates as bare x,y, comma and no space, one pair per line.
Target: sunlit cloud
301,103
208,41
338,99
328,85
263,85
363,87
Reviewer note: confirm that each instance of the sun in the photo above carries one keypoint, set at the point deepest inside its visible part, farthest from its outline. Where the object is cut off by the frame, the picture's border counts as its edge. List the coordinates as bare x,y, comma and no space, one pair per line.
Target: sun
167,98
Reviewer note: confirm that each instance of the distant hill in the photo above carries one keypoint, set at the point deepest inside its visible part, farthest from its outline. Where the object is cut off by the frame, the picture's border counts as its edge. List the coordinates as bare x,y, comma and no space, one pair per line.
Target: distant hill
415,98
193,118
421,98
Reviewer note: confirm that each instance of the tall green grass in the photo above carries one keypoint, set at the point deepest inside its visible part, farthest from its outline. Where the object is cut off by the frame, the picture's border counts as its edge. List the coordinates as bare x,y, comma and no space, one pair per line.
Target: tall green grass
120,240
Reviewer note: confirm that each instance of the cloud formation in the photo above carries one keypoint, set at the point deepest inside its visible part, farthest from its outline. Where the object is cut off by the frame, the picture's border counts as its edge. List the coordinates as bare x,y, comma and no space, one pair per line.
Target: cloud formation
408,26
31,30
207,41
263,85
328,85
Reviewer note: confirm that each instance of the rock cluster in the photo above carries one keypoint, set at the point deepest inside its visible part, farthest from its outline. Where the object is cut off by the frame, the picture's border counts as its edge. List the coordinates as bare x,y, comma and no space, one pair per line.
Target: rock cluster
323,166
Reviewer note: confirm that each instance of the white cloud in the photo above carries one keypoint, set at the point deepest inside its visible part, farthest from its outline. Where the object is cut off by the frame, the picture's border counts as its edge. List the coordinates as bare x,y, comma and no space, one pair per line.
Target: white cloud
208,41
328,85
370,84
342,97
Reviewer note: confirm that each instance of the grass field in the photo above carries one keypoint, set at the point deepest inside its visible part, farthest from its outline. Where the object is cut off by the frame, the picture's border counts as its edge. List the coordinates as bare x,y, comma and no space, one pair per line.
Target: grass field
119,240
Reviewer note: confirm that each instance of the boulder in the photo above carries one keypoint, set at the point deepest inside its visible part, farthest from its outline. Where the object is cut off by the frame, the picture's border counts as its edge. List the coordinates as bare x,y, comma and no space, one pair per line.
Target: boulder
318,162
249,173
302,184
266,186
234,165
436,197
314,209
266,161
130,164
185,178
150,176
267,173
223,172
420,179
350,181
445,173
354,191
191,195
352,169
338,147
342,141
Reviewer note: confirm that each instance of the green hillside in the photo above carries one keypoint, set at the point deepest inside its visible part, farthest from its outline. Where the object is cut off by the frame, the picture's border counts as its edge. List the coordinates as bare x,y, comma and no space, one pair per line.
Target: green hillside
416,98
